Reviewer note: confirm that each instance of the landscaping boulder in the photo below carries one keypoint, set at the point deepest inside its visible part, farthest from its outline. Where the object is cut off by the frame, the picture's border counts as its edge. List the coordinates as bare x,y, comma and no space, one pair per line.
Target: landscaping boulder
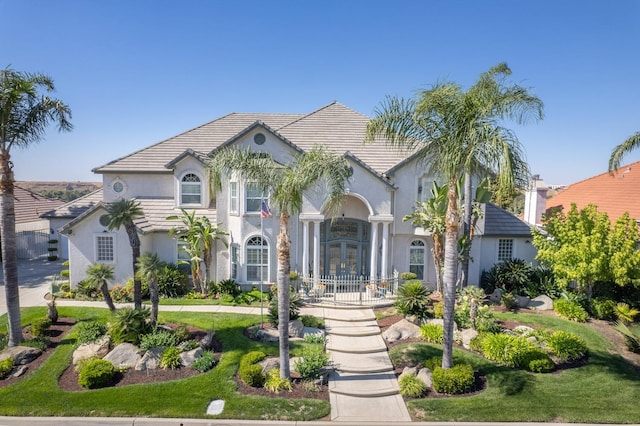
541,303
21,354
188,357
296,328
267,335
124,355
468,335
409,370
150,360
424,374
97,349
401,330
496,296
312,331
522,301
271,363
207,342
18,371
440,322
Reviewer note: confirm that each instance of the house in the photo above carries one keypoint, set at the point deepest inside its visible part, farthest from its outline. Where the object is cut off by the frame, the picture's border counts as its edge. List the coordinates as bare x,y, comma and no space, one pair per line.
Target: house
367,239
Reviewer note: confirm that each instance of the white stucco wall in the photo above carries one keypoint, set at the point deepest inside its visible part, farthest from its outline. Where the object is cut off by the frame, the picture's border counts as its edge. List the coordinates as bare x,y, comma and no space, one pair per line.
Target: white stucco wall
139,184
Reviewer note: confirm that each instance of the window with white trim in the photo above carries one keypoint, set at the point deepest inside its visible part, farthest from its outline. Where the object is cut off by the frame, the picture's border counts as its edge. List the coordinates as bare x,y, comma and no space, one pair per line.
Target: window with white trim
233,197
425,184
257,259
190,189
505,250
235,260
253,198
104,246
417,258
182,253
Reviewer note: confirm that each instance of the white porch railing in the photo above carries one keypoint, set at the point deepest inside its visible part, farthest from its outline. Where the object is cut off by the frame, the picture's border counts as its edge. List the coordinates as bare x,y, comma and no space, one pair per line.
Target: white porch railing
349,290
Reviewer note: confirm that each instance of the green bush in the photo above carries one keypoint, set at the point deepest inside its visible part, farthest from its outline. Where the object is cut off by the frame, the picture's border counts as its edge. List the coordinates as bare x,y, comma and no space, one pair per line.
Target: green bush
170,358
252,375
432,333
438,310
158,338
96,373
129,325
631,336
188,345
455,380
172,282
274,383
311,362
315,338
509,350
294,306
144,287
121,294
508,300
312,321
182,333
433,362
88,289
603,308
4,341
413,299
40,327
41,343
90,331
229,287
65,286
566,346
626,313
570,310
407,276
411,386
205,362
476,343
6,365
542,364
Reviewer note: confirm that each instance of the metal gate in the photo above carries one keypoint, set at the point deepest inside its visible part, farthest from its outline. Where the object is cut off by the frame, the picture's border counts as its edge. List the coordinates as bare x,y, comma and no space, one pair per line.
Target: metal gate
32,244
350,290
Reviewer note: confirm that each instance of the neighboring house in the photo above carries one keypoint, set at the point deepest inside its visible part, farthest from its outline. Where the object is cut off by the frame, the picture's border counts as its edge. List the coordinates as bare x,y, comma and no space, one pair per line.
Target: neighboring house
33,233
367,239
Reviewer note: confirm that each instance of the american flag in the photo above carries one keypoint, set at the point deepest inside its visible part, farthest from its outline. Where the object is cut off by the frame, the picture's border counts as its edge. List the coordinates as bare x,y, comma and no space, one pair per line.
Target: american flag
265,211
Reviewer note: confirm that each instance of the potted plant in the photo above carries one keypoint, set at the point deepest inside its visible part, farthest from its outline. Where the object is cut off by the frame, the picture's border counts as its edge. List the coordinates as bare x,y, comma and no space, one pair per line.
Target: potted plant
320,290
52,249
371,290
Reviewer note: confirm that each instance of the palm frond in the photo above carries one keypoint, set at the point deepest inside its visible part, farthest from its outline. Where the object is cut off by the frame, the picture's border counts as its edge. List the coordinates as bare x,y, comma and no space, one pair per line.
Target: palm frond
630,144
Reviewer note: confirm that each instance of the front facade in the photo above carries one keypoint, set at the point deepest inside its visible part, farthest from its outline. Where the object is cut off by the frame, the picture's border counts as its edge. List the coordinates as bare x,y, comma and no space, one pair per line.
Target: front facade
367,239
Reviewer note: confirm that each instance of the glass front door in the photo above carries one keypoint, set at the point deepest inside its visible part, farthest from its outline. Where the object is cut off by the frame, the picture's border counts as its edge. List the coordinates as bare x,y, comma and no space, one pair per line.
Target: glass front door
343,259
344,248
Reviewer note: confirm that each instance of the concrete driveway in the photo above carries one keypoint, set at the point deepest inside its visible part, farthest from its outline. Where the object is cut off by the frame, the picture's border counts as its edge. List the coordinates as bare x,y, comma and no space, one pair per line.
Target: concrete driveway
34,280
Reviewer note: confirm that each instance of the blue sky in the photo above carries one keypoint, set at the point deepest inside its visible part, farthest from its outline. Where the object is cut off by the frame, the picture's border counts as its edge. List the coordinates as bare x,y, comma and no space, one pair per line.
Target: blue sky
137,72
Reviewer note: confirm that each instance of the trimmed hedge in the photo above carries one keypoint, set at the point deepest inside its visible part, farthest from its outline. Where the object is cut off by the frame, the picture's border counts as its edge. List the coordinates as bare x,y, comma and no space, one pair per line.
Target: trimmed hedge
96,373
566,346
249,371
455,380
570,310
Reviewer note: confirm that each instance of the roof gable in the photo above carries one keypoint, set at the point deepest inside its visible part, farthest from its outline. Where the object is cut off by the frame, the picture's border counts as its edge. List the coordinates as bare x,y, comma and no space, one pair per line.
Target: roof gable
499,222
30,206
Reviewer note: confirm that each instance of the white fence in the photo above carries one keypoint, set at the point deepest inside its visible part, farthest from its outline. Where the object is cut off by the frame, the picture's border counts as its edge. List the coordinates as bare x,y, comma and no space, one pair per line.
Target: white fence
349,290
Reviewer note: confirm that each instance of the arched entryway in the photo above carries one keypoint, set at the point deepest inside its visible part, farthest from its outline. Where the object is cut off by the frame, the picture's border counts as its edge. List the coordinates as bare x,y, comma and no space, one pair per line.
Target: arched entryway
344,247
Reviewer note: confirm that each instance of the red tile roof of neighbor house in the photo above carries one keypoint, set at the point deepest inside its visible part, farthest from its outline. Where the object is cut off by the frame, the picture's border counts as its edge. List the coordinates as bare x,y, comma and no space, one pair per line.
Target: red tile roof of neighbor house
612,193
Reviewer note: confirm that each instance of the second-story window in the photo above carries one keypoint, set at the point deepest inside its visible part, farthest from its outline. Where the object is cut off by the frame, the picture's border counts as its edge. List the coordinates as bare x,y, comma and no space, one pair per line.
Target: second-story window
190,189
253,198
233,197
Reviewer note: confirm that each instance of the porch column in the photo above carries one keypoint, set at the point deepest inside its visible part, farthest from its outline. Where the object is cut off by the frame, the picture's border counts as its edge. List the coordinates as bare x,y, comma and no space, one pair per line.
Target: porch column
385,251
374,250
305,249
316,252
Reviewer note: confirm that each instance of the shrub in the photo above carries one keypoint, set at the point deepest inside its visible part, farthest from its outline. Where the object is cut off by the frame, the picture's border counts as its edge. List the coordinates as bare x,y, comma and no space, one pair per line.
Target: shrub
625,313
250,372
144,287
311,363
455,380
252,357
6,365
508,300
4,341
566,346
229,287
294,306
411,386
170,358
413,299
172,282
129,325
121,294
509,350
88,289
40,327
96,373
476,343
570,310
188,345
90,331
41,343
182,333
65,286
274,383
541,365
158,338
433,362
312,321
205,362
438,310
315,338
407,276
631,336
603,308
432,333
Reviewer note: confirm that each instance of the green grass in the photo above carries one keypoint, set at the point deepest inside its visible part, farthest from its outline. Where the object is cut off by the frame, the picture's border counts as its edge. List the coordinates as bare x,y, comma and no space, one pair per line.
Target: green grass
175,301
606,390
39,395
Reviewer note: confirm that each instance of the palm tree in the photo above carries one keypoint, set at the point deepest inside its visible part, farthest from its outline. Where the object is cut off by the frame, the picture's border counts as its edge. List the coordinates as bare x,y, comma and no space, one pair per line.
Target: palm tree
98,275
286,185
149,267
208,234
25,114
122,213
454,133
632,143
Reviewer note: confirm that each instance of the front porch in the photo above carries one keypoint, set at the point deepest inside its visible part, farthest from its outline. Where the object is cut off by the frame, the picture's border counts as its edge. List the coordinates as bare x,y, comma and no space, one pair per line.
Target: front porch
360,291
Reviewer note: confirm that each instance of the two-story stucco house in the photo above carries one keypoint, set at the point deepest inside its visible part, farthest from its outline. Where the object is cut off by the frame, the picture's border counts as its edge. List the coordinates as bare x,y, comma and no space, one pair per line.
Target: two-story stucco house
367,239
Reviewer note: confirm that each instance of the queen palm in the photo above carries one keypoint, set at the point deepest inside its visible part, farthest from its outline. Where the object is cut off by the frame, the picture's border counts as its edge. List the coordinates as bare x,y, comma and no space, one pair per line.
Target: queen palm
123,213
149,267
208,234
456,133
286,185
25,114
630,144
99,275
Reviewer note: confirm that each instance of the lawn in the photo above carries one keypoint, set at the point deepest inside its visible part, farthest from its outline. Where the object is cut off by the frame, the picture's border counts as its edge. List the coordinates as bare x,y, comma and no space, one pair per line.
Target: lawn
605,390
39,395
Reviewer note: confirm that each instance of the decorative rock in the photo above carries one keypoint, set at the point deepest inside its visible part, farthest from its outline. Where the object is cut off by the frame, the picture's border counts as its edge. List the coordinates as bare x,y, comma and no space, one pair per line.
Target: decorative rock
440,321
401,330
268,335
312,331
522,301
270,363
124,355
207,341
409,370
541,303
425,375
188,357
18,371
523,330
413,319
21,354
496,296
150,360
467,335
215,407
296,328
96,349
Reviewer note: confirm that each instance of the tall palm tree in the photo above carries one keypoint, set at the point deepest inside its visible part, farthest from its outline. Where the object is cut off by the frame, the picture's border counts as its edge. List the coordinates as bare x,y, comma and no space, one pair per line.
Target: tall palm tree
286,185
25,114
455,132
208,234
99,275
632,143
122,213
149,267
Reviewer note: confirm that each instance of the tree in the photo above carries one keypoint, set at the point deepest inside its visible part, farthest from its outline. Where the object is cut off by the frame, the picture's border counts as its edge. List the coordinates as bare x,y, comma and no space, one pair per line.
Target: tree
286,185
123,213
456,133
149,267
98,276
25,114
631,144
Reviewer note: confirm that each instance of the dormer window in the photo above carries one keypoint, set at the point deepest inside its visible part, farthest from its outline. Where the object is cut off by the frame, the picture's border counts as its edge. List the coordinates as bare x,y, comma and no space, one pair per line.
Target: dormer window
190,189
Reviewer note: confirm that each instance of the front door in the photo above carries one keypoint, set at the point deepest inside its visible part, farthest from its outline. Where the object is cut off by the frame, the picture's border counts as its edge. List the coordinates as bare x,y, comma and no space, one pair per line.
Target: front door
343,259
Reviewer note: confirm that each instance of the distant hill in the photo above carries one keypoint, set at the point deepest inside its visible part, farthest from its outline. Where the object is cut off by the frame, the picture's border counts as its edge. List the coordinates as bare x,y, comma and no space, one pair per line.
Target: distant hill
65,191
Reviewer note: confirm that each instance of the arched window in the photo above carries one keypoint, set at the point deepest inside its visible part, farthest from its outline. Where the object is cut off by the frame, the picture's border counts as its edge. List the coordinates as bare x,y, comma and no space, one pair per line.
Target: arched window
190,189
416,258
257,257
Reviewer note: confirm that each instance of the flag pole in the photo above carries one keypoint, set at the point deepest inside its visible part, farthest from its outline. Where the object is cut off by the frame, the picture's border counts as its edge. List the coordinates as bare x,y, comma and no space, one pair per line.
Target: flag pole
261,265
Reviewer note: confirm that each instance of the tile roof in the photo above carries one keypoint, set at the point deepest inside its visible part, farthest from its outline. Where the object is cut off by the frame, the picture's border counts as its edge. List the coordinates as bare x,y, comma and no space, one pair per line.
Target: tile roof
75,208
334,126
612,193
499,222
156,211
29,206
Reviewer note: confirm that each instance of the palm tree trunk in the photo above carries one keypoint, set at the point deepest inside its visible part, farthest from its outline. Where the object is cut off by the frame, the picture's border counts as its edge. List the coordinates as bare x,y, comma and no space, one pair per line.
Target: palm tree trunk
134,241
450,273
9,251
155,300
437,254
464,279
207,270
107,296
284,266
